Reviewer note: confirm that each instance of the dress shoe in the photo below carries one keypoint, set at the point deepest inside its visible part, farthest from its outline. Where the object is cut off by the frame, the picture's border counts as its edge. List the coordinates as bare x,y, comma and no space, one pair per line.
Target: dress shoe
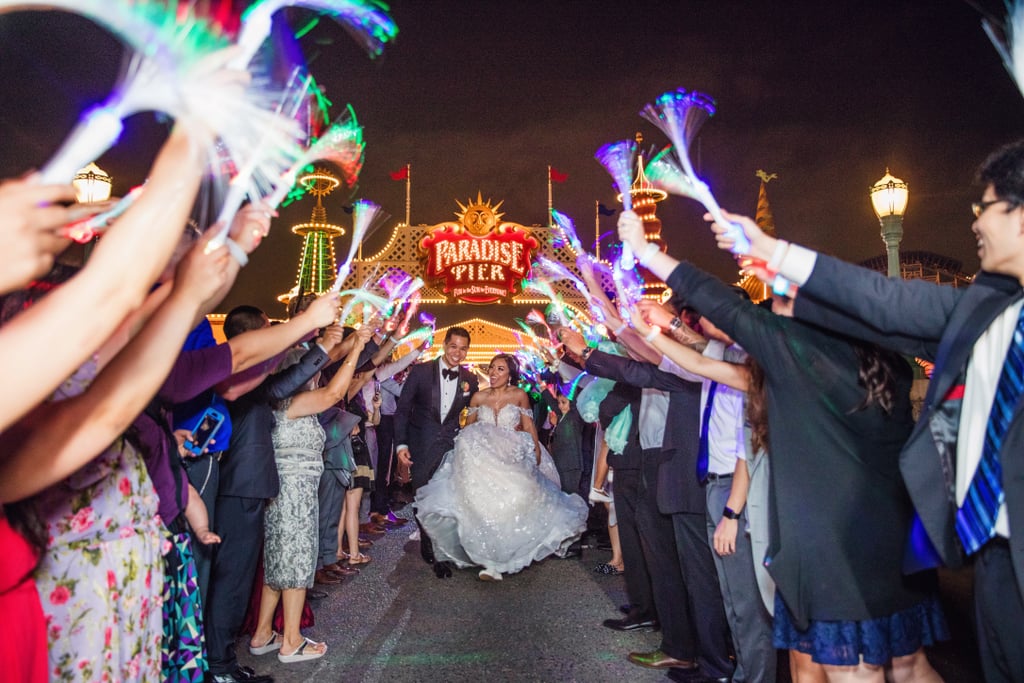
574,550
314,594
426,549
443,570
630,623
659,660
371,529
326,578
626,609
340,569
241,674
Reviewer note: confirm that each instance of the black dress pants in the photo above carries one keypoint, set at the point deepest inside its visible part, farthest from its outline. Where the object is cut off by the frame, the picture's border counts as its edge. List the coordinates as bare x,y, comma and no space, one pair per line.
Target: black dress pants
240,526
657,538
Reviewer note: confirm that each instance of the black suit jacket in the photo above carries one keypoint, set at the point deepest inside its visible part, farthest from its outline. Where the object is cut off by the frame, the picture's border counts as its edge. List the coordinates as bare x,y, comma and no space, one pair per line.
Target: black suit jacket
939,323
678,488
418,422
248,469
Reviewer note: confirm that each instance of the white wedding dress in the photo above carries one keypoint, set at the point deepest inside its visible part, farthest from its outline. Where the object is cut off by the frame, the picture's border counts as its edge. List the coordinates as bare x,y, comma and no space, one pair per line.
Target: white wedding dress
490,505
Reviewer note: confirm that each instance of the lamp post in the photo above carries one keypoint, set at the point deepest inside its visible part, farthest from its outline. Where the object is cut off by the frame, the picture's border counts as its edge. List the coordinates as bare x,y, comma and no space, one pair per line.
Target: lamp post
889,199
92,184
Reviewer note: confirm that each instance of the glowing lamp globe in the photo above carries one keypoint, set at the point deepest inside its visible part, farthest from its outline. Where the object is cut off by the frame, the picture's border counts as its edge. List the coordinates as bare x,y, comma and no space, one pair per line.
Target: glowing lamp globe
889,196
92,184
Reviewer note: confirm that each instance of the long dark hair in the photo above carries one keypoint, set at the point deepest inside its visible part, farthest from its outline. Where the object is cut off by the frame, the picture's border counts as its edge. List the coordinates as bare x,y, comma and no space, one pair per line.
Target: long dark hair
757,406
513,367
877,374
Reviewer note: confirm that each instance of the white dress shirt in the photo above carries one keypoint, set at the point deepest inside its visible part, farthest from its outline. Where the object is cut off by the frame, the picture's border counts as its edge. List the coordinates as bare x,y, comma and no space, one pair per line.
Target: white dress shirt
449,387
727,440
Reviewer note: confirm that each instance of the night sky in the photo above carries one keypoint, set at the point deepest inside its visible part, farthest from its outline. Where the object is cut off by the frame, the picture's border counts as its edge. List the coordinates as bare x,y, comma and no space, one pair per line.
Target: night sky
482,96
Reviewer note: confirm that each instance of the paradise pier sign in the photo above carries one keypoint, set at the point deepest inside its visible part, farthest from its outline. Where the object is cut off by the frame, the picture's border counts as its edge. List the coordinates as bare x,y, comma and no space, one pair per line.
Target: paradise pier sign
481,259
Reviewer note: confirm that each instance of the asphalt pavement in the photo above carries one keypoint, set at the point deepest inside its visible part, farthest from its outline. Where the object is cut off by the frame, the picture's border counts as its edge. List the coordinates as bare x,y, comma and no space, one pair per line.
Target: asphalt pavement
396,622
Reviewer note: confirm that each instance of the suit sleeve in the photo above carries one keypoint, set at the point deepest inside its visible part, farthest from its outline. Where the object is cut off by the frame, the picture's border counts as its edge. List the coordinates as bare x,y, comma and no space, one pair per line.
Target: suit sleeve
634,373
904,308
289,381
403,409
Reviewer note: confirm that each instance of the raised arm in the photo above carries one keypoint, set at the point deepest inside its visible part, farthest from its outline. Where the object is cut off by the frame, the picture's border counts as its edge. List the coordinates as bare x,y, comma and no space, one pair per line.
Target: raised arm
318,400
32,218
90,306
731,374
58,438
255,346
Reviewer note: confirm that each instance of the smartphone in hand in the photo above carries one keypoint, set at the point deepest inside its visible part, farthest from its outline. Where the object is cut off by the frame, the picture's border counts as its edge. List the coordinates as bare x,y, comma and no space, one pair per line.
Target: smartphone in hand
207,428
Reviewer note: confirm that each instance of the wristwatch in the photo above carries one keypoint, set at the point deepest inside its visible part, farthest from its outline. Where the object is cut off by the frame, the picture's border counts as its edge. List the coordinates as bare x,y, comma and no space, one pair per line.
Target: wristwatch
729,513
585,353
675,324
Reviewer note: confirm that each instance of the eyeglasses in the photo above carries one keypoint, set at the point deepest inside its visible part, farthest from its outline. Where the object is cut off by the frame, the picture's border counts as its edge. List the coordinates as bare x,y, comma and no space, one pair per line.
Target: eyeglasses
980,207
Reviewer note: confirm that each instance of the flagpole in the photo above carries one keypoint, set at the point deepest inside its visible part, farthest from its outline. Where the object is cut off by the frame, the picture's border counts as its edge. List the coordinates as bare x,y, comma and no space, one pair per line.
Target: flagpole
550,205
408,192
597,229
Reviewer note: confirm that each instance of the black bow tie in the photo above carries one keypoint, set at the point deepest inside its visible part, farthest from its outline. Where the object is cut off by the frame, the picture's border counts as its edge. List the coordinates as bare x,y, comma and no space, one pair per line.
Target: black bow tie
450,374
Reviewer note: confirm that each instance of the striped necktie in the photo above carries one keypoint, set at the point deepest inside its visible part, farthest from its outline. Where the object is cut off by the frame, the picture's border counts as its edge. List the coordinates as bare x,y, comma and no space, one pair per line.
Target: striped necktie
703,454
976,520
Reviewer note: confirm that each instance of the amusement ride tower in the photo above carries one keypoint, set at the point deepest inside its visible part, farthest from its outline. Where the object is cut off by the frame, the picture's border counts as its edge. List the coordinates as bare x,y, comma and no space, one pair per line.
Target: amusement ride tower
645,196
317,268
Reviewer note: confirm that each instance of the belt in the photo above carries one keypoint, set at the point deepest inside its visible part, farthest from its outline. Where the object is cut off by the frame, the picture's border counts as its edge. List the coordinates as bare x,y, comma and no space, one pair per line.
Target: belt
716,477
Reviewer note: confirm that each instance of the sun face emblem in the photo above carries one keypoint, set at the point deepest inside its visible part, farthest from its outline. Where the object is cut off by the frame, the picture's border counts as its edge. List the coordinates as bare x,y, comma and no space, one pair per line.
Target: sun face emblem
479,217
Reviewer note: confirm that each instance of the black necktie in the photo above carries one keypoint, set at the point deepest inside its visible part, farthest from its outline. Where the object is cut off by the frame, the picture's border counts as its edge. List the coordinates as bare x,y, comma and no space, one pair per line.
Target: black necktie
450,374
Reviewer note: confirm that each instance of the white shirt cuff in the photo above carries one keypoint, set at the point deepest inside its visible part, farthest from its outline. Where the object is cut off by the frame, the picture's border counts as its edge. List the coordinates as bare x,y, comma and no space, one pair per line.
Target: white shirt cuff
798,264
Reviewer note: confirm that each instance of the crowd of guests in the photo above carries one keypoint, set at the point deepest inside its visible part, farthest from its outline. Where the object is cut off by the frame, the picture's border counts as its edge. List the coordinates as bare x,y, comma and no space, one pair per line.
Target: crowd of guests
766,486
149,472
770,490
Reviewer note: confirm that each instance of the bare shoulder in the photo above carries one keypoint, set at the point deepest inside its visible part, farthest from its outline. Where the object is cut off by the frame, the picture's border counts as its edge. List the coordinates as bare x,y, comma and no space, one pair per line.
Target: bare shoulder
520,398
479,397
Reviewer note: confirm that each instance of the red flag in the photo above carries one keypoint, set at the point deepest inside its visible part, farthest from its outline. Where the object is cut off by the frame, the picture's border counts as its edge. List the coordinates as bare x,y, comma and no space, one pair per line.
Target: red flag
400,175
557,176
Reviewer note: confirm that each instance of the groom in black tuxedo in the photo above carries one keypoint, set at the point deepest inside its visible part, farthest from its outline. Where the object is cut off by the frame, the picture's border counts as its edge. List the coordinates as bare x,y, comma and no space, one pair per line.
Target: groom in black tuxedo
427,418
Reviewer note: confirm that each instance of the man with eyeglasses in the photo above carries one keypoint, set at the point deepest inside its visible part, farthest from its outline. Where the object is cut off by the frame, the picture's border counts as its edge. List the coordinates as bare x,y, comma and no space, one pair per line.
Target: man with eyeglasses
964,462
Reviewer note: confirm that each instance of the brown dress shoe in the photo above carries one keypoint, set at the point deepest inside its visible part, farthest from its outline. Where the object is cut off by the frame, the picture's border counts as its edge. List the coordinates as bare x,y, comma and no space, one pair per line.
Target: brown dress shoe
326,578
339,568
371,529
659,660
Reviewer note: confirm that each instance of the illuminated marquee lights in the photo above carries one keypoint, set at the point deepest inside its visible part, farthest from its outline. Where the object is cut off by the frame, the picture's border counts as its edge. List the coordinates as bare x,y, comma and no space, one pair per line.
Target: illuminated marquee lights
480,259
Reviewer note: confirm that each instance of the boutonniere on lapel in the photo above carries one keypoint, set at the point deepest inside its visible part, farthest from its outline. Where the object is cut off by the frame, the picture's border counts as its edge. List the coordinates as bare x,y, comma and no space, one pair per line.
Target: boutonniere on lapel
465,388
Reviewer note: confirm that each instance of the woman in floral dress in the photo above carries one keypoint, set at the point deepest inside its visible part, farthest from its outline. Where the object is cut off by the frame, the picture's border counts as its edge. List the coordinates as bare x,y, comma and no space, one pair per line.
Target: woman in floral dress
101,576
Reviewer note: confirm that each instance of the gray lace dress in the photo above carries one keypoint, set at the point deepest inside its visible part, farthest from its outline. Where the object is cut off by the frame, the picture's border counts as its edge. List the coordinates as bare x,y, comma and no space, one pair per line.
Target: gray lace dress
290,553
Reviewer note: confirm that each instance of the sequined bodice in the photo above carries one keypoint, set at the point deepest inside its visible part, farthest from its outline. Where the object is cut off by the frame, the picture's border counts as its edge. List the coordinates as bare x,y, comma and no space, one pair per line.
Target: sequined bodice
508,416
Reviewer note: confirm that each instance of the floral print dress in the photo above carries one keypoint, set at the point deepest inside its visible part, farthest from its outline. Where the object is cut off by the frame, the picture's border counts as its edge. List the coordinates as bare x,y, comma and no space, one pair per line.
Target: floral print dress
101,577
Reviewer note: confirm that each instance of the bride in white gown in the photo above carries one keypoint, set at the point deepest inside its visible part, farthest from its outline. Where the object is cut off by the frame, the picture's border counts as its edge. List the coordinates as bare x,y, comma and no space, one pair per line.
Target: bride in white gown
495,500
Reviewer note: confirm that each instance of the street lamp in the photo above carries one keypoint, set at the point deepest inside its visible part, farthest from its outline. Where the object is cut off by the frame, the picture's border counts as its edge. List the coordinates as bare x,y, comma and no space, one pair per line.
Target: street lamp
889,199
92,184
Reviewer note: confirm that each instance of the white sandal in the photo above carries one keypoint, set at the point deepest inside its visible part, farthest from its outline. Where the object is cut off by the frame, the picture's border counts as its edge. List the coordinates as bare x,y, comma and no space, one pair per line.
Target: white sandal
266,648
300,655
